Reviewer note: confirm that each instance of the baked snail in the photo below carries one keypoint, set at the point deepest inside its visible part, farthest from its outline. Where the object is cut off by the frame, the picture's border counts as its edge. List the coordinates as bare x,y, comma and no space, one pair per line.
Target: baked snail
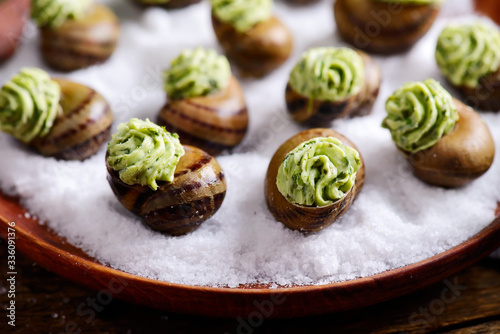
75,34
330,83
57,117
174,188
168,4
206,106
446,142
13,17
253,39
469,57
312,179
384,26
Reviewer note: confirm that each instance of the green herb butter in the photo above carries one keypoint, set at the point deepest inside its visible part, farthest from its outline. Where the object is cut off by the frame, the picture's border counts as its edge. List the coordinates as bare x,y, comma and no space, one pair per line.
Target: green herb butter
242,14
195,73
53,13
415,2
328,74
419,114
466,53
29,104
144,153
318,172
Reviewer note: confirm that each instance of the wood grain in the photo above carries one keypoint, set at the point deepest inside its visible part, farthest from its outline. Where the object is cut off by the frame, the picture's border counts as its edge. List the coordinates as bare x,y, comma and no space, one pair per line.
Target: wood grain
56,254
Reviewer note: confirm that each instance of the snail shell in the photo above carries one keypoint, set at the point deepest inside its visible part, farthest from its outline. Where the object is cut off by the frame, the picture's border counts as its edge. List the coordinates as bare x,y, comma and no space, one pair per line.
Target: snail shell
323,113
306,218
383,27
13,17
81,43
172,4
486,96
214,122
178,207
459,157
258,51
82,127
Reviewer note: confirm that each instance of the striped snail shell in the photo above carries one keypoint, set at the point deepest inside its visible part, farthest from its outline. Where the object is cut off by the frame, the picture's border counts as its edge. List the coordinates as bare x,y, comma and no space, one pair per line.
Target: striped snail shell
170,4
402,25
322,113
258,51
82,42
214,122
300,217
81,128
178,207
13,17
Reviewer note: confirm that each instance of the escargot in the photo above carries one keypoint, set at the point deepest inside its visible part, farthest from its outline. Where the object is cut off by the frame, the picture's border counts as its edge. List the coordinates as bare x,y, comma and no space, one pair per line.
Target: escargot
329,83
173,188
384,26
469,57
57,117
206,106
446,142
13,17
168,4
253,39
312,179
75,34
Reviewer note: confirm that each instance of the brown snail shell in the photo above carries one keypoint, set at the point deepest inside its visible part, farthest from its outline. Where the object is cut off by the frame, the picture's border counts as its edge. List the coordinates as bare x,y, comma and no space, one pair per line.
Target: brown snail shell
300,217
172,4
486,96
81,43
383,27
323,113
459,157
214,122
82,127
13,17
178,207
257,51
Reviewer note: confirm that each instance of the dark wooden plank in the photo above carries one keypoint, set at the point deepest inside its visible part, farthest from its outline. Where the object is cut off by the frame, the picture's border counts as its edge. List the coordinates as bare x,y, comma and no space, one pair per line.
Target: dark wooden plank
48,303
487,327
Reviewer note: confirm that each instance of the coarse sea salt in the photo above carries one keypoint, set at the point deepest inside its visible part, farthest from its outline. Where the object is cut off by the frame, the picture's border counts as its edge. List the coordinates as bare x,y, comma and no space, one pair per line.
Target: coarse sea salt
397,220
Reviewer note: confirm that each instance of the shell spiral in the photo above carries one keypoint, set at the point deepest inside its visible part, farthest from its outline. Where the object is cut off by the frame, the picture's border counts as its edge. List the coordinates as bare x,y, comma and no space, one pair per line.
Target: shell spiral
419,114
328,74
318,172
466,53
29,104
53,13
144,153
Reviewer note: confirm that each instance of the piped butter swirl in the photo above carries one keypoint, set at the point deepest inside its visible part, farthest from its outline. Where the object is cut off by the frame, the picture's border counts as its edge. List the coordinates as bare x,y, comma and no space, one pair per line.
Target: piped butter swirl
29,104
318,172
53,13
195,73
328,74
144,153
466,53
419,114
242,14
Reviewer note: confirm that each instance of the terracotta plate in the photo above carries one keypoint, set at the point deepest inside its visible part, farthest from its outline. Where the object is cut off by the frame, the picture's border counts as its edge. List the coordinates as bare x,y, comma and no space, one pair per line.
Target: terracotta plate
54,253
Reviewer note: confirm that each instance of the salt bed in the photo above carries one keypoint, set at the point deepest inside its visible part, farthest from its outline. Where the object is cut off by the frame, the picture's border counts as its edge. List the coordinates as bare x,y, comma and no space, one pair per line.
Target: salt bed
396,221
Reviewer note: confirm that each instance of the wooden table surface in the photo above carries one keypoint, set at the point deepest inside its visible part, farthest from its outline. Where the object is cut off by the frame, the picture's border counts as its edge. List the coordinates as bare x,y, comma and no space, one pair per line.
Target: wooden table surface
468,302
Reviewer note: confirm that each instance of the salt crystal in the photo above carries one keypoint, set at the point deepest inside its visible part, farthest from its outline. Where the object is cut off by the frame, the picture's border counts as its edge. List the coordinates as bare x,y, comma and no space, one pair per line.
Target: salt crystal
397,220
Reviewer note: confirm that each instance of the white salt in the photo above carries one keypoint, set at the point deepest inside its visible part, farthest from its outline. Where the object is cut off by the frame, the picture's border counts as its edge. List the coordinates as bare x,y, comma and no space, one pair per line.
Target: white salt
397,220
